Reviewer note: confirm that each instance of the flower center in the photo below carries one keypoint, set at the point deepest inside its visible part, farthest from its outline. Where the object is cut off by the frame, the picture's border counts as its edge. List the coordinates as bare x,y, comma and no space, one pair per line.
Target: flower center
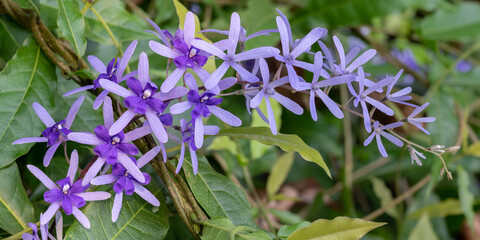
65,188
363,96
377,130
115,140
193,52
315,87
204,98
147,93
269,91
288,58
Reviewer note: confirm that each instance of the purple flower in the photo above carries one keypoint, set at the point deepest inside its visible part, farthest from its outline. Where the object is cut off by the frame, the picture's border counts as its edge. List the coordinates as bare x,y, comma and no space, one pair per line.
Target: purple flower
406,57
400,96
34,234
363,98
125,182
417,122
164,35
291,52
188,137
110,148
184,54
414,154
463,66
68,194
268,92
379,131
315,86
56,132
113,72
242,38
143,99
204,105
231,59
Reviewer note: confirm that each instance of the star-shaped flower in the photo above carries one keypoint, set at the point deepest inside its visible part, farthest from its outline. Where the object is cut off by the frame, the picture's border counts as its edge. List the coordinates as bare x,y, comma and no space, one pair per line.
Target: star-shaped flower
379,131
417,121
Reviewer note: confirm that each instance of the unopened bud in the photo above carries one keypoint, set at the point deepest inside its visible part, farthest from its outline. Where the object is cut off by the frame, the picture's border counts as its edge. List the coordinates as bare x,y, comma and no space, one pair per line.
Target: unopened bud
435,147
452,148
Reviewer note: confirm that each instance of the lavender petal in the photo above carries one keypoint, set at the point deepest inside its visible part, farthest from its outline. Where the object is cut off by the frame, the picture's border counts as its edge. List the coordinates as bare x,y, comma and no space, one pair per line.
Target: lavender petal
97,64
198,132
94,196
77,90
115,88
81,217
147,157
308,41
93,171
72,169
284,35
85,138
225,116
103,179
288,103
172,79
256,53
209,47
107,112
117,206
137,133
143,76
30,140
125,59
244,73
145,194
362,59
43,114
99,100
213,80
44,179
341,51
130,166
122,122
47,215
380,146
189,28
49,154
271,117
392,139
313,109
73,111
156,126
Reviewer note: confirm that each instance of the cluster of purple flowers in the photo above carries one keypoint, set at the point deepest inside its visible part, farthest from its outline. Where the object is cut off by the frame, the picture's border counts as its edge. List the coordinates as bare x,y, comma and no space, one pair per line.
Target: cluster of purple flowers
143,99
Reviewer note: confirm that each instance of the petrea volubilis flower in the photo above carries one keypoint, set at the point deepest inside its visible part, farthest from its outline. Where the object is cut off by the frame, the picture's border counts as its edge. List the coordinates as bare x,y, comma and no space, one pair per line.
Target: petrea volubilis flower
142,99
417,121
379,131
113,72
110,148
68,194
34,234
231,59
124,182
56,132
204,105
268,92
414,154
315,86
363,98
402,95
290,53
188,137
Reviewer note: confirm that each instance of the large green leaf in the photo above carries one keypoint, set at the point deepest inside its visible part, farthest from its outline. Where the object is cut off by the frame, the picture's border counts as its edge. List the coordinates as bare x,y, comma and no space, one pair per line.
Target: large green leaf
279,173
460,22
217,194
137,220
287,142
71,25
339,228
15,208
11,36
423,229
385,195
30,4
223,228
442,209
445,126
27,78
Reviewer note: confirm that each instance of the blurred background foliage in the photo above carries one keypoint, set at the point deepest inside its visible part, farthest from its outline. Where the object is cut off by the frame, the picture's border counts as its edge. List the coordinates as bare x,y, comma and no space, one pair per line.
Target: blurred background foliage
435,41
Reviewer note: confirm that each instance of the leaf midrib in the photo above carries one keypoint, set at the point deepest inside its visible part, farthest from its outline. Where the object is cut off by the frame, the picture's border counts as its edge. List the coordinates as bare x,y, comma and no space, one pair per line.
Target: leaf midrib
70,27
19,220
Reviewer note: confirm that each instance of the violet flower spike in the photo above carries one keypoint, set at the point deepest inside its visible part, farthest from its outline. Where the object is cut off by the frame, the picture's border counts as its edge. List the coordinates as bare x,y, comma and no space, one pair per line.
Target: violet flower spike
414,154
125,182
188,138
56,132
402,95
113,72
142,99
315,86
290,52
204,105
379,131
231,59
184,54
417,122
268,92
68,194
110,148
363,98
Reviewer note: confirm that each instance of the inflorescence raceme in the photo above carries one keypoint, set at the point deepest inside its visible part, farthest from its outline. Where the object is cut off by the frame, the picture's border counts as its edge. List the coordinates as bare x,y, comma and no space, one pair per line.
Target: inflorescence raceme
202,97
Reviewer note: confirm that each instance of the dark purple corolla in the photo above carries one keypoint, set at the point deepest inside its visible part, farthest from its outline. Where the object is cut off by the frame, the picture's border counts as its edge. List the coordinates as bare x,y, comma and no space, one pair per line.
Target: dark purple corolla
125,182
56,132
112,72
110,148
267,91
231,59
142,99
204,105
379,131
68,194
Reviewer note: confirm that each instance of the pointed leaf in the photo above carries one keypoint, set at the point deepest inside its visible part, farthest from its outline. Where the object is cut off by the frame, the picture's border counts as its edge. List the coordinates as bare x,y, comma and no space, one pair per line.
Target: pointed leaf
423,229
72,25
26,75
279,173
223,228
385,196
287,142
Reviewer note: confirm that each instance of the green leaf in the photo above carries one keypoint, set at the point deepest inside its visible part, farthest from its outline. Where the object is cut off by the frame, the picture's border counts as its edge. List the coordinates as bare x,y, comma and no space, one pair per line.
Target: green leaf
339,228
460,22
423,230
84,73
11,36
442,209
286,216
385,196
138,219
224,143
29,4
181,13
217,194
27,78
465,195
446,124
287,142
15,208
279,173
287,230
72,25
223,229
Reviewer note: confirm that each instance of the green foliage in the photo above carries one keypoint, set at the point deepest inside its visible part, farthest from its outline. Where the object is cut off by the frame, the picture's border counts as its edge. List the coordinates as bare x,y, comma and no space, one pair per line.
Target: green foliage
27,78
465,195
442,209
217,194
279,173
11,37
223,228
287,142
385,196
138,219
423,229
446,122
338,228
287,230
15,208
72,25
